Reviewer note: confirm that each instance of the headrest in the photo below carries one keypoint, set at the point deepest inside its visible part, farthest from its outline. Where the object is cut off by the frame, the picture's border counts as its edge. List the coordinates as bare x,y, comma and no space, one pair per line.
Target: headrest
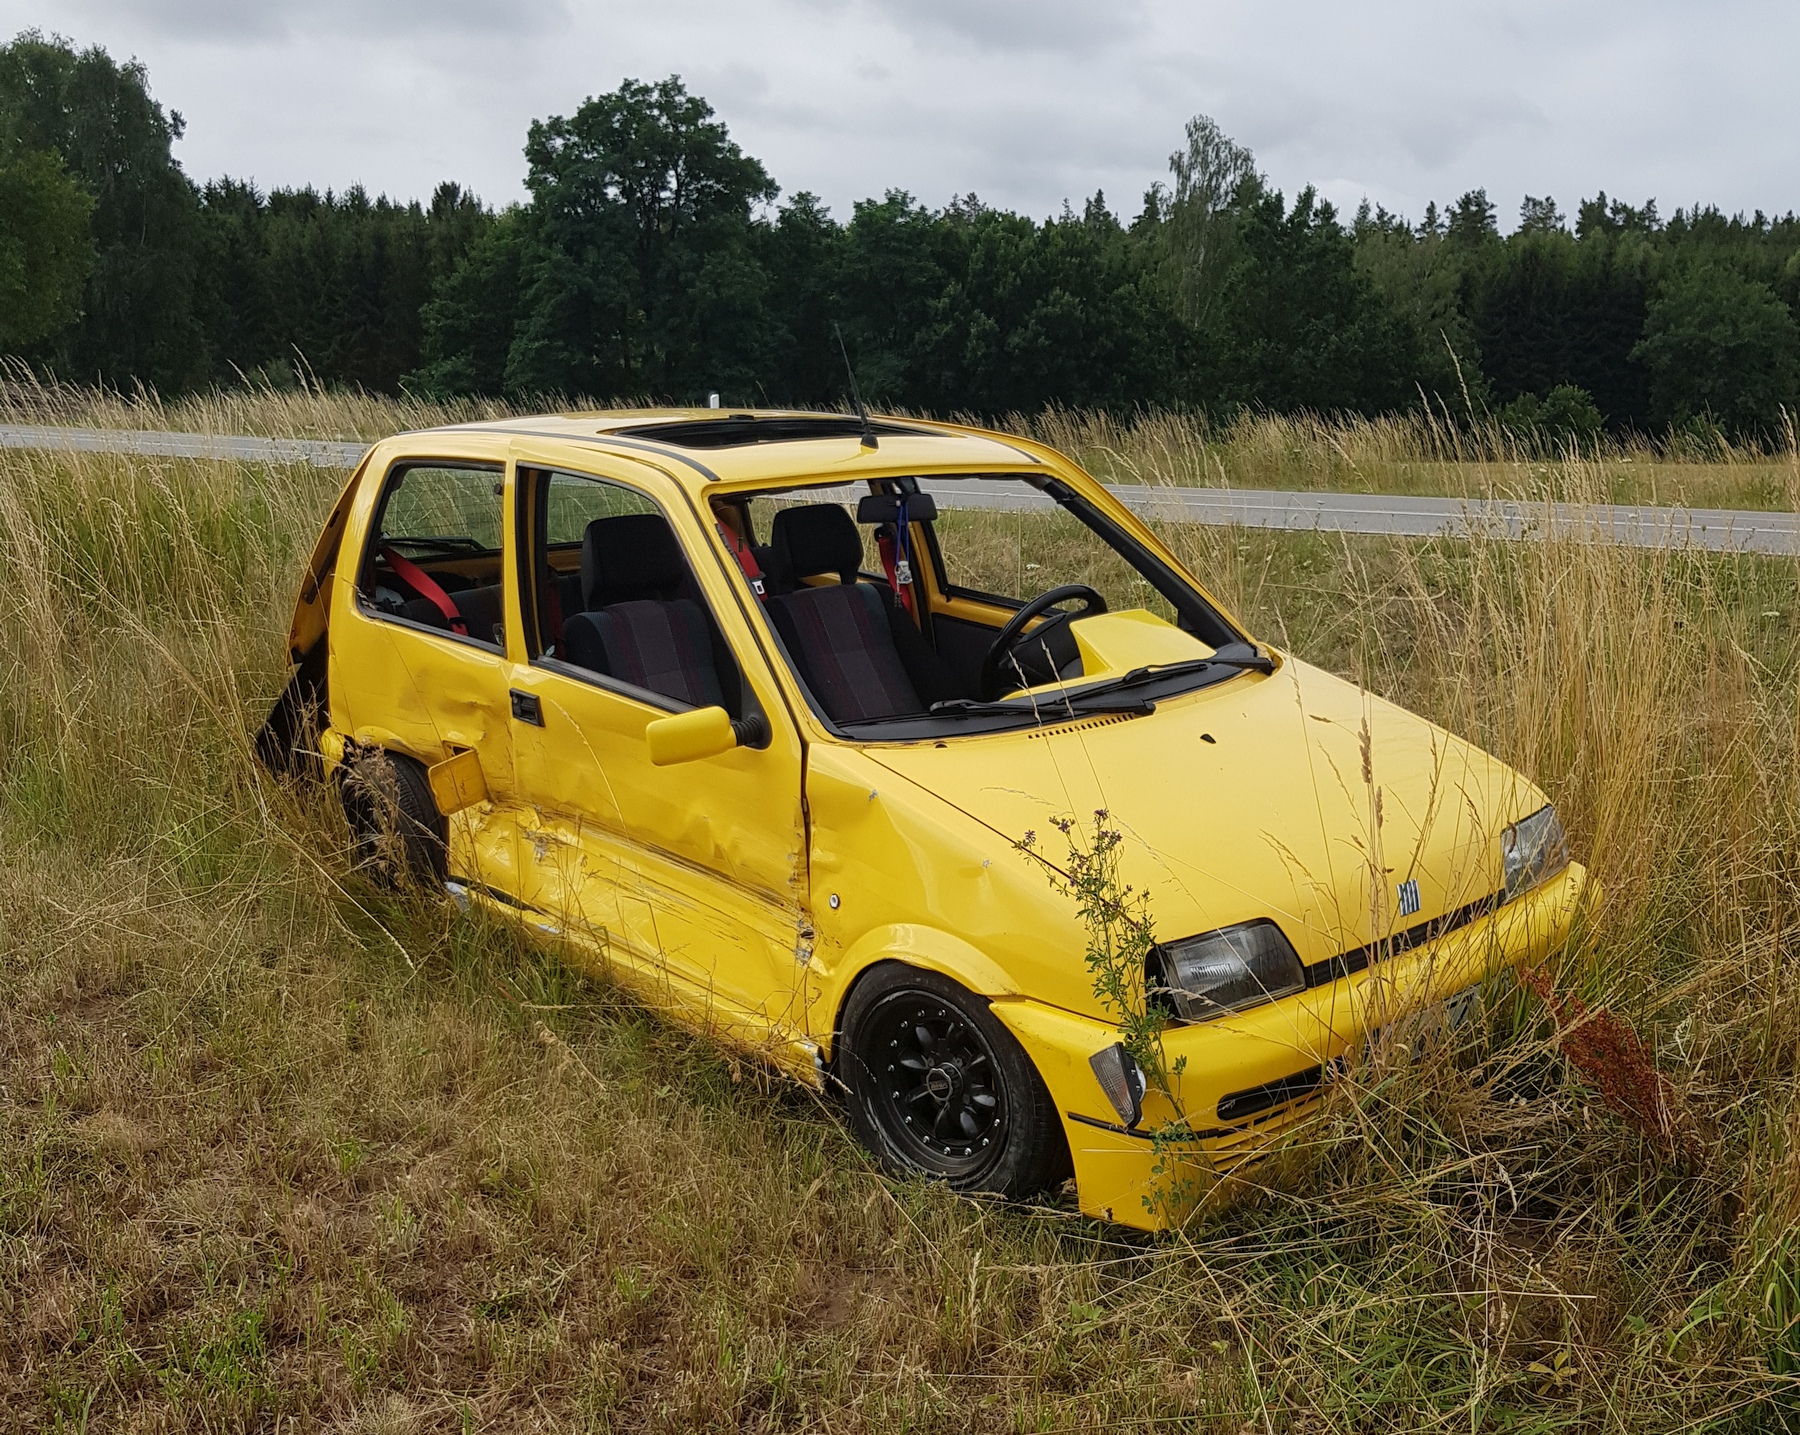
628,558
817,538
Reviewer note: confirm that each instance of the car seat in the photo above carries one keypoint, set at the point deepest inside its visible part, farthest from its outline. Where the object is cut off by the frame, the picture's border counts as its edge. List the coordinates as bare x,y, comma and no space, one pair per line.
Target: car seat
640,624
857,651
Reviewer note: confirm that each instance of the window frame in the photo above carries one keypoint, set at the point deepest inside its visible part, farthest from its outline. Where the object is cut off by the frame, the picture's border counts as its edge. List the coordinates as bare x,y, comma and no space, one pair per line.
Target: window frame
531,506
396,470
1190,603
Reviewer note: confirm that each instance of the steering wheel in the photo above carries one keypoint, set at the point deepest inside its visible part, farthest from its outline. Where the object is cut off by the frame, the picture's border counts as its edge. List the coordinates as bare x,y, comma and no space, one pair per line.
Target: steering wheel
1009,637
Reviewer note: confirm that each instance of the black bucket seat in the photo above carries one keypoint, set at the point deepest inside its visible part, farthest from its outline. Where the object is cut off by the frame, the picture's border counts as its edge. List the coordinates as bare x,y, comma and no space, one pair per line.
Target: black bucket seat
643,623
856,648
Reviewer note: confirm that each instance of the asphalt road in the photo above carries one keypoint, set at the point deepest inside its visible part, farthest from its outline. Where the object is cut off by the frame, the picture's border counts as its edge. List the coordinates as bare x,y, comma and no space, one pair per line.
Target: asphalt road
317,452
1715,529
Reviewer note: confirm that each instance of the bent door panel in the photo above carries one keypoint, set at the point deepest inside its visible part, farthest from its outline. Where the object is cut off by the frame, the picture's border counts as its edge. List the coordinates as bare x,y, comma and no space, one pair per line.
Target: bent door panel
694,869
431,697
693,872
409,686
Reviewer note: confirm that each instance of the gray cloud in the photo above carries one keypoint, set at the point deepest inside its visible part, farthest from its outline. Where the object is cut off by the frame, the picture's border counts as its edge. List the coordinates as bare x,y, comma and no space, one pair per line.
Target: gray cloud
223,21
1026,102
1021,25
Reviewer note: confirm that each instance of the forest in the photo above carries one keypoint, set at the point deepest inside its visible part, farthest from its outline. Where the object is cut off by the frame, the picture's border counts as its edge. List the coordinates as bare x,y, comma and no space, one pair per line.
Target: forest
655,260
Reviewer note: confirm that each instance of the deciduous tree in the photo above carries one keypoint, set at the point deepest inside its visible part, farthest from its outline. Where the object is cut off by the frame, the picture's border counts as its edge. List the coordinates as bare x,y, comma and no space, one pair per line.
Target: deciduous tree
1720,346
45,250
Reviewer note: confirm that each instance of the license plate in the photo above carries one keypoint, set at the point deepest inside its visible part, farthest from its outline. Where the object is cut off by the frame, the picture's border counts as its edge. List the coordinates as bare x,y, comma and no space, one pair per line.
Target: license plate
1438,1019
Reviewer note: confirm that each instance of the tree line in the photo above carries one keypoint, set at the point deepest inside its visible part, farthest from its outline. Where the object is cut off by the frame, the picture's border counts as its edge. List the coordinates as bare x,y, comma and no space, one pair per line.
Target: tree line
654,259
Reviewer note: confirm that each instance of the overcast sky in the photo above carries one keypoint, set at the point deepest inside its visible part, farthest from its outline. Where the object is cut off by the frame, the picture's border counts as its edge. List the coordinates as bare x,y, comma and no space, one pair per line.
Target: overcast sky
1024,102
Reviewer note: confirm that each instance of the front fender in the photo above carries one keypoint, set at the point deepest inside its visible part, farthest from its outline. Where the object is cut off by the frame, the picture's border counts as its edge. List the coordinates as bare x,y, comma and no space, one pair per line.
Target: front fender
925,947
896,873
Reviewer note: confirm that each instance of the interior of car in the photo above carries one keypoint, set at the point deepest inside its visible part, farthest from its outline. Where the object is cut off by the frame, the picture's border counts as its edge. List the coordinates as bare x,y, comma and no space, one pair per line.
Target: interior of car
886,610
435,557
632,611
889,611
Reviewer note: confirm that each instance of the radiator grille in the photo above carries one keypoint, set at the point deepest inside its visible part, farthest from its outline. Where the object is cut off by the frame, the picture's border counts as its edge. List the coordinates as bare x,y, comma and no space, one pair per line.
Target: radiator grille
1346,963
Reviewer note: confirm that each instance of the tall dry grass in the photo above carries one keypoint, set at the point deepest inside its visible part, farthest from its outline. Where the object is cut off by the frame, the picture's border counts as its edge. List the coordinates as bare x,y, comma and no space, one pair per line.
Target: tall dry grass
1424,452
307,411
1417,453
280,1150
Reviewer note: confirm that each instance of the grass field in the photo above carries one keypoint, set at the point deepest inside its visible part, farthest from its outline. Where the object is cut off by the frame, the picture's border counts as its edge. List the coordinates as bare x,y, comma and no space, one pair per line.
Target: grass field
1415,455
281,1150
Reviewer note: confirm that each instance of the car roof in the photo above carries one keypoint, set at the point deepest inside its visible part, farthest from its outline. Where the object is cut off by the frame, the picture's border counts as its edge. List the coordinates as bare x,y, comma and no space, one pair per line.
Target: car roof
704,447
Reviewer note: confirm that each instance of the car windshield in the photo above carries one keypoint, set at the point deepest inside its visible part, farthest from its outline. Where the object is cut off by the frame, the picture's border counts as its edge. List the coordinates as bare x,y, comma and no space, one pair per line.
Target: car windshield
950,605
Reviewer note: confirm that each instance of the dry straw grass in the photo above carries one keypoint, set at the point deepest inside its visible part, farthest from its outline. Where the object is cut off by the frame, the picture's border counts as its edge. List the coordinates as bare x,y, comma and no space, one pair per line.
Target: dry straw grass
280,1151
1424,452
1415,453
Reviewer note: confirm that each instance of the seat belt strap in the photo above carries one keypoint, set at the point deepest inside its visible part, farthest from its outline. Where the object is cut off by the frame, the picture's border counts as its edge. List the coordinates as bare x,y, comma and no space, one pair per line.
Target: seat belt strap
903,574
553,606
422,583
884,544
746,560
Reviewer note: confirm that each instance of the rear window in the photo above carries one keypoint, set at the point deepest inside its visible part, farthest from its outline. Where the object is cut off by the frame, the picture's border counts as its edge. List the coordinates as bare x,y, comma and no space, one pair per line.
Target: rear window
433,559
443,509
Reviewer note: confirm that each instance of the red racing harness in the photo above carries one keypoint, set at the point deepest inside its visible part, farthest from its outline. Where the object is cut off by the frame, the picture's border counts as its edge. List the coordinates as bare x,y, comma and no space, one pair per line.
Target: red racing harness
896,558
746,560
426,587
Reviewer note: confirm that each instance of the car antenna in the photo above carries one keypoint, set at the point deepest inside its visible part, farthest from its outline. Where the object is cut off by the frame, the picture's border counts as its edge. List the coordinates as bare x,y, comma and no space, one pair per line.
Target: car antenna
868,429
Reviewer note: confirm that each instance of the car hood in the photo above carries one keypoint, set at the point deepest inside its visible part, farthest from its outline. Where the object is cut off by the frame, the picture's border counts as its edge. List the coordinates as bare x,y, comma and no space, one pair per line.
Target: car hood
1292,795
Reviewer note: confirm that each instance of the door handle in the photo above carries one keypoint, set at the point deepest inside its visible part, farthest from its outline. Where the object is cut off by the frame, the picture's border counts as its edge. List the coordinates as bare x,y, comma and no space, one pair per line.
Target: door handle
527,707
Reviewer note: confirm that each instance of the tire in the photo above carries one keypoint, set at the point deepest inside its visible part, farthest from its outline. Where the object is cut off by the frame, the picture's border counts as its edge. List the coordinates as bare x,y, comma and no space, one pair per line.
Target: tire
400,834
937,1086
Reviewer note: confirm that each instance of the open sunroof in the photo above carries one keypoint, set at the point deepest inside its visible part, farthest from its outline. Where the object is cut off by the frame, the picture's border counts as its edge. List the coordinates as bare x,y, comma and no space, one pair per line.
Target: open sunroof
739,430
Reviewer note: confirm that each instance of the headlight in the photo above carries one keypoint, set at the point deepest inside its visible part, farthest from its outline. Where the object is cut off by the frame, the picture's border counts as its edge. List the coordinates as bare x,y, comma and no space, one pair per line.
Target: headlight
1228,970
1535,848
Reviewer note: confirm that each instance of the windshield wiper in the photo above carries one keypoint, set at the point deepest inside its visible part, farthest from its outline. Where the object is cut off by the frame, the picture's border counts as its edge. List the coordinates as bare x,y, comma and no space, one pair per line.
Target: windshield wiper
1242,655
1233,655
1054,707
1103,697
1058,708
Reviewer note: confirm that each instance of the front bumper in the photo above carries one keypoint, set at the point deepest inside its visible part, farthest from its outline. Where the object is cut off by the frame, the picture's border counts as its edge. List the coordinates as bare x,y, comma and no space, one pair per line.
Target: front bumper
1263,1048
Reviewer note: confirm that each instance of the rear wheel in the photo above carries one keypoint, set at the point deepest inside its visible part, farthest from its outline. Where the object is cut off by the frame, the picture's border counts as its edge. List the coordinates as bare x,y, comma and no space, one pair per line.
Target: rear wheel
400,834
937,1085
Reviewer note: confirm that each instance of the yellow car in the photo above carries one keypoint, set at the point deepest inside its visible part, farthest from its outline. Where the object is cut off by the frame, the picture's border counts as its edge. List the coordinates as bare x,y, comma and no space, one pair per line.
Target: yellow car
798,724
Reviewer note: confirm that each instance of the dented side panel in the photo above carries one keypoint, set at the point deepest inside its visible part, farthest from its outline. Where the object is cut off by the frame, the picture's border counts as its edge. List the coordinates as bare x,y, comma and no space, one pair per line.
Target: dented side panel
422,692
695,873
692,869
899,875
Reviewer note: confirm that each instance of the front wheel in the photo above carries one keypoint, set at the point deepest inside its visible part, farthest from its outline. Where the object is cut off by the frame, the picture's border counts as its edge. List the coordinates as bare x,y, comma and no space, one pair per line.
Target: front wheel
938,1086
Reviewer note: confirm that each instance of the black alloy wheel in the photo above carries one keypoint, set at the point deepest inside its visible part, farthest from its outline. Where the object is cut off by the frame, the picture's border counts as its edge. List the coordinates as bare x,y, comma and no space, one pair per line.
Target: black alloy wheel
936,1086
939,1086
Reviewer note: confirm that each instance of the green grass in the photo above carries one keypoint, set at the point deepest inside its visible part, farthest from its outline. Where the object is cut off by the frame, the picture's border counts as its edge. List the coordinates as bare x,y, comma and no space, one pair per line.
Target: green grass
280,1149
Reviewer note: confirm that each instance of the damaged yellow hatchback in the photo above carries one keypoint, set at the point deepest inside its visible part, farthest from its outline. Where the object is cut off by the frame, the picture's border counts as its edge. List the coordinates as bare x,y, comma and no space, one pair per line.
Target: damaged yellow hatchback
769,716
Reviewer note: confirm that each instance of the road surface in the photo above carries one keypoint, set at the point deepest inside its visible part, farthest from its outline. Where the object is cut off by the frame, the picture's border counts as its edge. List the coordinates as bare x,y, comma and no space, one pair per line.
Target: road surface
1717,529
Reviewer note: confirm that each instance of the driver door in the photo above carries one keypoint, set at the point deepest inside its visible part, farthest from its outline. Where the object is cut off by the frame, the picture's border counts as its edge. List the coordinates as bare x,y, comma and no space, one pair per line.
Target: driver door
687,879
